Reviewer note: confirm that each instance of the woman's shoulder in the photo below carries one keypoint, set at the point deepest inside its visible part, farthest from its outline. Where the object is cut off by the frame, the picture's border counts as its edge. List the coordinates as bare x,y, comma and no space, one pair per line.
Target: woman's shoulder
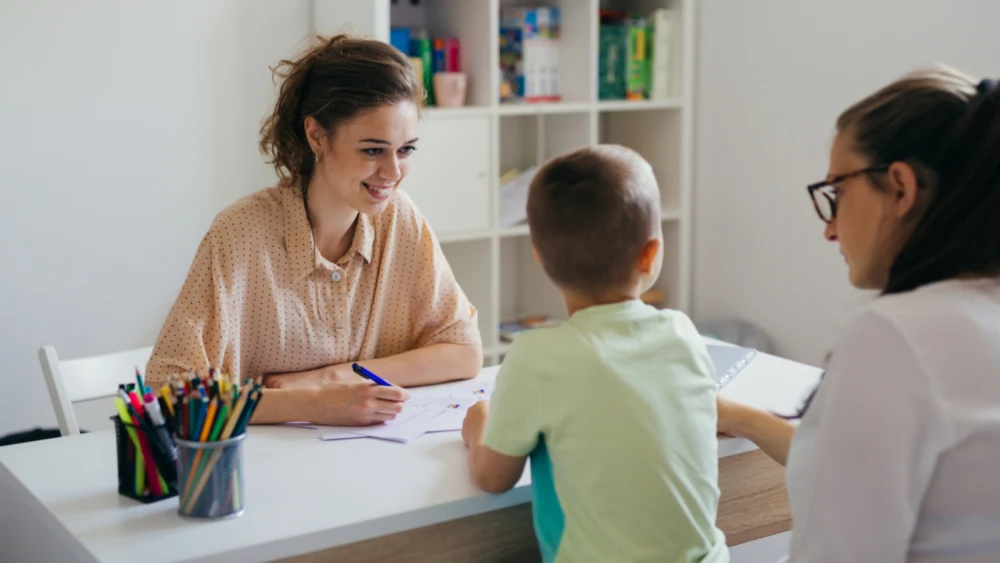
940,308
943,327
252,218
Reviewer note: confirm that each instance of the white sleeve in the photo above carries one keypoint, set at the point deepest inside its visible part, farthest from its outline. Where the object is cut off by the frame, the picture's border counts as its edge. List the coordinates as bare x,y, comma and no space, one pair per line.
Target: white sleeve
869,452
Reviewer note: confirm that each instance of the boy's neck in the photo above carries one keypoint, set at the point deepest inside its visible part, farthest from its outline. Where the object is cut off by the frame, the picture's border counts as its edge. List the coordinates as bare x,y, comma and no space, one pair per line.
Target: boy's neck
576,301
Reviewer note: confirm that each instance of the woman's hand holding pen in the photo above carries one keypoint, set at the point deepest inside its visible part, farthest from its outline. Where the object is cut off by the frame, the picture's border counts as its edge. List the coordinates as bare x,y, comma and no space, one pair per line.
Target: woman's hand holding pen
356,403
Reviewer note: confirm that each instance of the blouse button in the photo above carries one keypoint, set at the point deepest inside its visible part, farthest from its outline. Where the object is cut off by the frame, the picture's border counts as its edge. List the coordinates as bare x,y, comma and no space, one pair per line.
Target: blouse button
335,276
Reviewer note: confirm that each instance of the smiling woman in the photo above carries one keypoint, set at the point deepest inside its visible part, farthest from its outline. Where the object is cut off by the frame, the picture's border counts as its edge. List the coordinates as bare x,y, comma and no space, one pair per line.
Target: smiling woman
332,266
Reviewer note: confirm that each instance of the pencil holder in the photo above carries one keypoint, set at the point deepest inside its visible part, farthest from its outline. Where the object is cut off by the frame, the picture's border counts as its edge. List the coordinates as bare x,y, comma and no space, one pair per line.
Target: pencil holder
210,478
146,468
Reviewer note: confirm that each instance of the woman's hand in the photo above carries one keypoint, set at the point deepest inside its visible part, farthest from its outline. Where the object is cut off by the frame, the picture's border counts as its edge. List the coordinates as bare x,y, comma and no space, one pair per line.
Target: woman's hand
312,379
475,422
356,403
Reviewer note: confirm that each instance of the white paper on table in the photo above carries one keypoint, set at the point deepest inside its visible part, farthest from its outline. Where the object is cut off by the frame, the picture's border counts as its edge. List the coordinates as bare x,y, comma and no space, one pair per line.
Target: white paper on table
419,416
471,389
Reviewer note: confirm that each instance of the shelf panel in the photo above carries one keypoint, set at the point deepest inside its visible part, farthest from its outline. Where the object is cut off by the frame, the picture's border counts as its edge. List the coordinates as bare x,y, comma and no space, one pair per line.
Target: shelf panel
670,215
464,236
542,108
517,231
497,350
433,112
523,230
638,105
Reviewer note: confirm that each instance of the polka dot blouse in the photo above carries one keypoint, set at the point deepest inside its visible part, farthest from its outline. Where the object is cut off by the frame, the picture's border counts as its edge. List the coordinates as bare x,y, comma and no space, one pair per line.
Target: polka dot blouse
260,298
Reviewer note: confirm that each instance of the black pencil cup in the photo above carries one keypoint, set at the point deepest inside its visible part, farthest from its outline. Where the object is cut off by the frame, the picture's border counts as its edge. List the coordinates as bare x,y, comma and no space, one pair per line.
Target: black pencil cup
134,445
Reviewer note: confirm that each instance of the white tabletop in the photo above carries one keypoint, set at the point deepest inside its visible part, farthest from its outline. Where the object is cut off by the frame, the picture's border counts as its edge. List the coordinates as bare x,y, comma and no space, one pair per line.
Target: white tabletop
303,494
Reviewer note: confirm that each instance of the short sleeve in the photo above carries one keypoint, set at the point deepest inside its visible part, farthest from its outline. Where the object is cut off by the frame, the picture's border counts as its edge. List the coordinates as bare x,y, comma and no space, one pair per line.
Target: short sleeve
194,335
869,445
441,312
514,421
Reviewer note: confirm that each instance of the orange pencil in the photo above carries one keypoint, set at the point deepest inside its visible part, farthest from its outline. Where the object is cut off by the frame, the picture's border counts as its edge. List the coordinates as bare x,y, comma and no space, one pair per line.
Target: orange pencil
207,425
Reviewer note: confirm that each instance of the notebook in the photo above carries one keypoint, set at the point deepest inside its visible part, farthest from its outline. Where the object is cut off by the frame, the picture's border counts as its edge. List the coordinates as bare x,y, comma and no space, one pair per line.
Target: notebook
729,361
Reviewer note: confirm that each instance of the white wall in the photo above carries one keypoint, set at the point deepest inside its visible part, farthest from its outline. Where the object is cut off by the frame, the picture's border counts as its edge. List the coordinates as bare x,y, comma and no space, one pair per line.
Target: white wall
773,76
124,128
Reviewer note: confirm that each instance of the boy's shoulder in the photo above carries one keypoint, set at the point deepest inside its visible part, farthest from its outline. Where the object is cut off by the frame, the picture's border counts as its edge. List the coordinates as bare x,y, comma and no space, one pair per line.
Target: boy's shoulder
664,329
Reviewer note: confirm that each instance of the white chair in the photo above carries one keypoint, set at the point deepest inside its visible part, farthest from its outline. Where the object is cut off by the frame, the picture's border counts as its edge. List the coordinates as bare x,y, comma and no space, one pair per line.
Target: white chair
87,379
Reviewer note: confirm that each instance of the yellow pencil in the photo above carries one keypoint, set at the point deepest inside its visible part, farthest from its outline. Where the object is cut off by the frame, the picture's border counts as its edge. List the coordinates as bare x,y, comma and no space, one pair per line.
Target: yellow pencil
168,398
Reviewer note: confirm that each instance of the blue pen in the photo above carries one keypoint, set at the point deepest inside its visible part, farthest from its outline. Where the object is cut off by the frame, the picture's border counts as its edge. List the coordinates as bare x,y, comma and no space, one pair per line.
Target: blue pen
369,375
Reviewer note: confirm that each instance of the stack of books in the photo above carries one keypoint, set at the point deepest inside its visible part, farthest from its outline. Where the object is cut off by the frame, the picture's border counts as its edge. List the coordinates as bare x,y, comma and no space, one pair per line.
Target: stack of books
635,55
529,54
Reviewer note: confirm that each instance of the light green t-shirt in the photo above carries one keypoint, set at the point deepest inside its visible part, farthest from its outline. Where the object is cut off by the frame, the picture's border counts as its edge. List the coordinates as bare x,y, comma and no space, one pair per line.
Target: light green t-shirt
616,408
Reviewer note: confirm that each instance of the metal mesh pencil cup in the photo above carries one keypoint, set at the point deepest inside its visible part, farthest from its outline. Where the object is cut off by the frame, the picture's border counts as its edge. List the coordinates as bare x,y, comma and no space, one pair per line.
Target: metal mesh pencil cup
210,478
133,476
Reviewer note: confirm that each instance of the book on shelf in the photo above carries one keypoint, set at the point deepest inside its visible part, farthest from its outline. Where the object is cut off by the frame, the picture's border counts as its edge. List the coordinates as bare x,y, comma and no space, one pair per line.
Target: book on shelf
529,54
660,38
635,55
514,186
635,59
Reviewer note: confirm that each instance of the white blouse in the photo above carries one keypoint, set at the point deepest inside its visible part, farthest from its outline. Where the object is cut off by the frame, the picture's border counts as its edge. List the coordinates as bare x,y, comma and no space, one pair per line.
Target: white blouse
898,458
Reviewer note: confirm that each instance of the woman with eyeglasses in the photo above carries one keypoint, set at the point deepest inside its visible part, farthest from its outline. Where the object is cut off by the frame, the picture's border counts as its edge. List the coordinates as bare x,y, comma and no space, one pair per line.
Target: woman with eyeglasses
897,457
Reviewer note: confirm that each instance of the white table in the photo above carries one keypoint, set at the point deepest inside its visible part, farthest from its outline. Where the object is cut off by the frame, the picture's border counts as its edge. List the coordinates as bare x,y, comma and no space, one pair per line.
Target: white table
59,500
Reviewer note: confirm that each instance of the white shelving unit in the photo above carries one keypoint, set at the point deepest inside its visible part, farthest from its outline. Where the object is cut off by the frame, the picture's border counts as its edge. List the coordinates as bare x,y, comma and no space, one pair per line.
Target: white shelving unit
463,151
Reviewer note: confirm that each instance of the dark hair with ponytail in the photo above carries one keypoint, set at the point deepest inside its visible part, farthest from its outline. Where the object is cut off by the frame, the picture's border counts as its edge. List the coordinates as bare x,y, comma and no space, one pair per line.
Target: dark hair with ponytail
332,81
947,127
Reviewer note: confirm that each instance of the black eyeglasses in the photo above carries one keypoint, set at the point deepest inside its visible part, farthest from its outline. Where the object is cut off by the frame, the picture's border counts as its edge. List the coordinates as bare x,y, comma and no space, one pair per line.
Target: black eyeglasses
824,194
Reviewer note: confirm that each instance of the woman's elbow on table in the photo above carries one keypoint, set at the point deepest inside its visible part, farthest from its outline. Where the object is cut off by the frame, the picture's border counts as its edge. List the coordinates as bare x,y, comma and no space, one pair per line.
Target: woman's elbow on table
469,361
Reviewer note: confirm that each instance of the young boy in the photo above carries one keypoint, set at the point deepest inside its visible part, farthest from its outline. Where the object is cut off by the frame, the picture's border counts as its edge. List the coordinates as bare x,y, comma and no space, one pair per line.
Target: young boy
615,407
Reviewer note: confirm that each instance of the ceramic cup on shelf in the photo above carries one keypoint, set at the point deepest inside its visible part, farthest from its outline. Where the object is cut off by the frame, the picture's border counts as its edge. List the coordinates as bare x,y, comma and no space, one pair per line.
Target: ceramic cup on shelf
449,89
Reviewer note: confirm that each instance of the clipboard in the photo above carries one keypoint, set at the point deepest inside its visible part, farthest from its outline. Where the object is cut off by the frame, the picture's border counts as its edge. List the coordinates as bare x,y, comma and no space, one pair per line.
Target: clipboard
729,361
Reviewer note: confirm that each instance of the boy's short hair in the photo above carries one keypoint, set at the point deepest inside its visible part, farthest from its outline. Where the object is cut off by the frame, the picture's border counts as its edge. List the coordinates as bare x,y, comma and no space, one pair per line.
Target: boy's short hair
590,212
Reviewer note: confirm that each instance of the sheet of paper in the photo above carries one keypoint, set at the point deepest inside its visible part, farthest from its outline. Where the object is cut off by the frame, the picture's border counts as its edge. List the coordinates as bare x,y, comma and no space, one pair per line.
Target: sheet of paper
470,389
420,415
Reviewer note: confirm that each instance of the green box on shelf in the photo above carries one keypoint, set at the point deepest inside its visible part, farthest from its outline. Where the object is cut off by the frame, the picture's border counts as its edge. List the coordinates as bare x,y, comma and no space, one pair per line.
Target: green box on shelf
611,62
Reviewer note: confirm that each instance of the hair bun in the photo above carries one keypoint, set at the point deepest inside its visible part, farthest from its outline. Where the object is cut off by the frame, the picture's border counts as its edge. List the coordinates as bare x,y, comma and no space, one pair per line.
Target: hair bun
987,86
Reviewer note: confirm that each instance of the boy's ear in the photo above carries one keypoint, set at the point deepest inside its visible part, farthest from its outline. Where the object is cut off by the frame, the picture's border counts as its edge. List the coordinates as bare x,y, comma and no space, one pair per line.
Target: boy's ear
650,254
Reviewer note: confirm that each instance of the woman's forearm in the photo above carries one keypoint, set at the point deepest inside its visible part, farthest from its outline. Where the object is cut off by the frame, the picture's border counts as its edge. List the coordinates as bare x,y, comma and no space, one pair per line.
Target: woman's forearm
436,363
772,434
284,405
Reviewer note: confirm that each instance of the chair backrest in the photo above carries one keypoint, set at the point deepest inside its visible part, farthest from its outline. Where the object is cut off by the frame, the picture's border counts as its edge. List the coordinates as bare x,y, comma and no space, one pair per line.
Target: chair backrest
86,379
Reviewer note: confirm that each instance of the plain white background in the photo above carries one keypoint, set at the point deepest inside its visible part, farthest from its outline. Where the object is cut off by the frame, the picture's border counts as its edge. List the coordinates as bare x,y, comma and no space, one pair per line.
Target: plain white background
125,127
773,76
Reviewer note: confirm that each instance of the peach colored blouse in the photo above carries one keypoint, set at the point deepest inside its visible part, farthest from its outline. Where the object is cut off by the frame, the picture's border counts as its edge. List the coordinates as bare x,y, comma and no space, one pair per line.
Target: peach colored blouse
260,298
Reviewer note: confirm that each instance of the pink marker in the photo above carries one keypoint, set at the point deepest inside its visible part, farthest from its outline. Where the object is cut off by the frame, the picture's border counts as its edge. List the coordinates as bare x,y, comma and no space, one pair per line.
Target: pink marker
451,54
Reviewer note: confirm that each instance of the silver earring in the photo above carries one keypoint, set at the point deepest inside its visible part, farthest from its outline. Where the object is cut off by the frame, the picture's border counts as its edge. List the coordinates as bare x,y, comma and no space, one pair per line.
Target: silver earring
317,158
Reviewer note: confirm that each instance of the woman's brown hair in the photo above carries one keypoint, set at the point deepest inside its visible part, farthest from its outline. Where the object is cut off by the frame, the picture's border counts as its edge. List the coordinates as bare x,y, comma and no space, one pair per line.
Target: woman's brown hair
947,127
336,79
